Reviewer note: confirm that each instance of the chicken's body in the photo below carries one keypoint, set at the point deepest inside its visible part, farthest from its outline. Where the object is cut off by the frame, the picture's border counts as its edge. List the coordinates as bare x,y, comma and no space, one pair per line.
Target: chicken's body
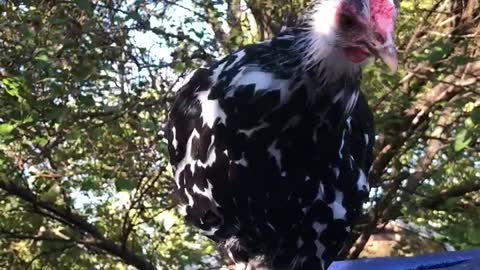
271,153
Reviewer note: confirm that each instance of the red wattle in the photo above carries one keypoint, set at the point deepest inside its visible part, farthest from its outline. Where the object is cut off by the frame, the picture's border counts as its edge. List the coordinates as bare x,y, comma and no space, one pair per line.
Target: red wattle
356,54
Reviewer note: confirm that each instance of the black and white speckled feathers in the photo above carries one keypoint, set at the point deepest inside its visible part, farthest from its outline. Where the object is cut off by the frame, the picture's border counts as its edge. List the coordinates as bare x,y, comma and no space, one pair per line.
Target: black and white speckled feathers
271,157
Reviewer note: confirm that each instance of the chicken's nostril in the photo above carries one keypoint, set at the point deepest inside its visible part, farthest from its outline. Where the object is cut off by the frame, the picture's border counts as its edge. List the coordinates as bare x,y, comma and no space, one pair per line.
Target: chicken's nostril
379,38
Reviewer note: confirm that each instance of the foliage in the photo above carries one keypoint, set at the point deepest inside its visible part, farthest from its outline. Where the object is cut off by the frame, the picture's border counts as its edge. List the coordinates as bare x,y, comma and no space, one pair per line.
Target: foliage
84,91
83,156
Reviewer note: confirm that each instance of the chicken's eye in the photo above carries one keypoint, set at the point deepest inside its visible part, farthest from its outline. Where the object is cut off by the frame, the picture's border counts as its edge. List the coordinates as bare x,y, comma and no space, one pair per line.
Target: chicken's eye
347,22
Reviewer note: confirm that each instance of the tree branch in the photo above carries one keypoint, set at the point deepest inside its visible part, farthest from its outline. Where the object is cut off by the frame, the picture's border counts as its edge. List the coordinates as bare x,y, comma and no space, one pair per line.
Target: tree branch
435,201
95,239
419,113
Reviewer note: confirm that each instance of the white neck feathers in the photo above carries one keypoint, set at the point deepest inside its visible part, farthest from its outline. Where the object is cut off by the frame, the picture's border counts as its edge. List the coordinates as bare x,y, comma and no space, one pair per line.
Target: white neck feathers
318,45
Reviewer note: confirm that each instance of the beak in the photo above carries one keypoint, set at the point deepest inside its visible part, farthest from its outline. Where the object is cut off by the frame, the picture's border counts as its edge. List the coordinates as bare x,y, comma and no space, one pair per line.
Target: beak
386,52
388,55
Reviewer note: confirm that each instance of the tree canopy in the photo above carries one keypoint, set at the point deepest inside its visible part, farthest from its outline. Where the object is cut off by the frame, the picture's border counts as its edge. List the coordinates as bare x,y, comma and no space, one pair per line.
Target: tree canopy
85,87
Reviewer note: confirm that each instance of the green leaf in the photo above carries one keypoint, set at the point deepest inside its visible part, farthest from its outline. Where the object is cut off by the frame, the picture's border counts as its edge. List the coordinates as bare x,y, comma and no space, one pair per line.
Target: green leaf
25,30
89,184
134,15
462,60
474,235
124,185
43,57
57,114
95,133
115,128
462,140
162,148
87,100
476,116
6,128
74,134
84,5
12,86
51,194
40,141
440,50
12,92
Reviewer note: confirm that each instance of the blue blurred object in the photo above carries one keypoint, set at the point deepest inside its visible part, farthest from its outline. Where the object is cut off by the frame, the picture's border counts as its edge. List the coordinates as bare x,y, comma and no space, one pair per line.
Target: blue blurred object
458,260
